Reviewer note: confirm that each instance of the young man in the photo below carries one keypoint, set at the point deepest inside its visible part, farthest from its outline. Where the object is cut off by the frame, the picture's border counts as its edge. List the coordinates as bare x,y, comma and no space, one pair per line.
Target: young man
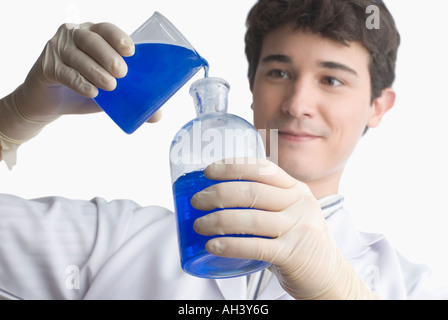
318,75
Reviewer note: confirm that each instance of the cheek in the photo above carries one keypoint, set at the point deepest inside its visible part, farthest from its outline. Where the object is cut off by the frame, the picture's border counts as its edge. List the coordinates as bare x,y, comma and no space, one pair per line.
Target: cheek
351,126
258,117
347,128
262,107
350,113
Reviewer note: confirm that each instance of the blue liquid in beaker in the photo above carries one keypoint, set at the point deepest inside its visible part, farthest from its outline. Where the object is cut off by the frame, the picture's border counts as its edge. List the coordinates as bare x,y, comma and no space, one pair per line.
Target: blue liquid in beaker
155,72
194,258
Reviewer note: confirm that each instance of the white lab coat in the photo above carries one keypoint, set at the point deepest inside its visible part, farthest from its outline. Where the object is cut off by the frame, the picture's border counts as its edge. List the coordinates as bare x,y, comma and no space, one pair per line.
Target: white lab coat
55,248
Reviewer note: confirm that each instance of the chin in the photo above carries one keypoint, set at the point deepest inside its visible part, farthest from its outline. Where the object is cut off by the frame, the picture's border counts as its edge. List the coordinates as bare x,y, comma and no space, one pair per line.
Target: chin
299,170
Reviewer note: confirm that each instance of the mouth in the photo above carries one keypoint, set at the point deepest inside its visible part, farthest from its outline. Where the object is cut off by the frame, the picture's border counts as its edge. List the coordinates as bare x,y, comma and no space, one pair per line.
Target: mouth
298,137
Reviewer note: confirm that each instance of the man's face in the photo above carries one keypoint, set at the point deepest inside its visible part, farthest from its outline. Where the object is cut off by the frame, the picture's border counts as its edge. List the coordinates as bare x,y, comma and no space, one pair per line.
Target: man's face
317,93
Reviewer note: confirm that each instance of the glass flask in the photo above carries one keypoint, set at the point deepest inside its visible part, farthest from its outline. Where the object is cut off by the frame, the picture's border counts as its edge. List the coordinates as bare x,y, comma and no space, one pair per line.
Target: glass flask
163,62
213,136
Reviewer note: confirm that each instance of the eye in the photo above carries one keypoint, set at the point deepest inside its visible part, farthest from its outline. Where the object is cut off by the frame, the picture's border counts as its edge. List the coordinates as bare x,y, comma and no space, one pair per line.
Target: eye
331,82
278,74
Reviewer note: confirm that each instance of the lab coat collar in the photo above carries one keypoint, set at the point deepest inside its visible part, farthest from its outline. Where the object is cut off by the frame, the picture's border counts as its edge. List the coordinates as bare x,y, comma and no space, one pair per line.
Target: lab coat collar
331,204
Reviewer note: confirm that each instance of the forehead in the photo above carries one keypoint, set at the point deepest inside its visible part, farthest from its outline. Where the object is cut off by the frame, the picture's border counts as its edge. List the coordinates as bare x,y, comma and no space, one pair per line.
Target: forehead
304,46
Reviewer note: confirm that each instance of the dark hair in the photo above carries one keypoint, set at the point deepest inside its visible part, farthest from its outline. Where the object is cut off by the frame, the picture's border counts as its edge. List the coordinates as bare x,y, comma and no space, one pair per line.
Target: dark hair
340,20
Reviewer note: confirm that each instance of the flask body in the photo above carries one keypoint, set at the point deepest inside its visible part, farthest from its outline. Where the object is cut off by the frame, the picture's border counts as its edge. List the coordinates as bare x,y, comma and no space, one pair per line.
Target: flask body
214,135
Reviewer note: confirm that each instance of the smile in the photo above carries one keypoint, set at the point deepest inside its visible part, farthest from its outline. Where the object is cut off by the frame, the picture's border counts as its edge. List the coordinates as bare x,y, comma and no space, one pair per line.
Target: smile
299,137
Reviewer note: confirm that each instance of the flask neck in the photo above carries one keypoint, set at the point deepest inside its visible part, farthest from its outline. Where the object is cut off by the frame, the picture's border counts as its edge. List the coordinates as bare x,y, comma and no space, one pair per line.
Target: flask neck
210,95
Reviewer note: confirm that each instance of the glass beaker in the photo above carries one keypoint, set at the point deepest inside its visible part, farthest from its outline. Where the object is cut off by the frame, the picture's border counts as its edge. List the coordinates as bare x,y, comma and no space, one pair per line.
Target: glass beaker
163,62
213,136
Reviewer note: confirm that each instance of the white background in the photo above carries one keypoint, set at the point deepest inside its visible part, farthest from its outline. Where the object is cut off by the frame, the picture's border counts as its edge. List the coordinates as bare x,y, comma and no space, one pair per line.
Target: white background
394,183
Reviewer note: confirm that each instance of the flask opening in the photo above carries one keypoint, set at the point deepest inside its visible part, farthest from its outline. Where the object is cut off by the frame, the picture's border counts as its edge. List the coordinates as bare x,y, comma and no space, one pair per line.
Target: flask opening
210,95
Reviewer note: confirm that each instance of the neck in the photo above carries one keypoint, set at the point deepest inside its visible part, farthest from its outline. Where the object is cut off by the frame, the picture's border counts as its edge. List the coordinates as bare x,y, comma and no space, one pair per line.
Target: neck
326,186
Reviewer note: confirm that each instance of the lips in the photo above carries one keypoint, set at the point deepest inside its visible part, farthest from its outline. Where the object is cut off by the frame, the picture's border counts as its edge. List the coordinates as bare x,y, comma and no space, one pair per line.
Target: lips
297,136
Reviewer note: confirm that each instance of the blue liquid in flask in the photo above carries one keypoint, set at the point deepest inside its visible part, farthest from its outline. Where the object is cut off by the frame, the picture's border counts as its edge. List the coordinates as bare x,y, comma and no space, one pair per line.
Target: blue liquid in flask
155,72
194,258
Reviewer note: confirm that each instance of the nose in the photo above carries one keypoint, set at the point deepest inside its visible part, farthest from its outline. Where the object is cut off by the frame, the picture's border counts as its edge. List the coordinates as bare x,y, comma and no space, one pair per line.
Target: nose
300,99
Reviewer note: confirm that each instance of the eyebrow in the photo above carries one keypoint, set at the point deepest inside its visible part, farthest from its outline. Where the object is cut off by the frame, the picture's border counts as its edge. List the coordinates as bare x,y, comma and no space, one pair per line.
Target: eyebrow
277,58
337,66
323,64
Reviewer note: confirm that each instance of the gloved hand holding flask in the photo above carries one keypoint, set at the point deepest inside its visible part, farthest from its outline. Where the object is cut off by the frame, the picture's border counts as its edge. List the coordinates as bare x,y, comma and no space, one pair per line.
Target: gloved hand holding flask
291,231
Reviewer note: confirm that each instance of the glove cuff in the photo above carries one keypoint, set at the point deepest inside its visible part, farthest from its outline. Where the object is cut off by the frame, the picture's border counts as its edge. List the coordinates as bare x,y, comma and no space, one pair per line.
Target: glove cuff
13,123
8,151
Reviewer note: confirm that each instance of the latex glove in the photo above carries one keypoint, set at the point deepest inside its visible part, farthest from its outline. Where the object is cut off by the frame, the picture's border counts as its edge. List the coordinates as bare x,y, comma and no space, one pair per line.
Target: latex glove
82,58
304,257
77,61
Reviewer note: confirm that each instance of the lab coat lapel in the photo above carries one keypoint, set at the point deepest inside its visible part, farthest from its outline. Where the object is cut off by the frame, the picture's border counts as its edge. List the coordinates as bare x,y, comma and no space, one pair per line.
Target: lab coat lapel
233,288
236,289
274,291
346,236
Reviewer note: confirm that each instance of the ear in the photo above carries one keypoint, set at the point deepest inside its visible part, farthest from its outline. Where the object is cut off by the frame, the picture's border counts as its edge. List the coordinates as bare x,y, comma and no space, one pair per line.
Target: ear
380,106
